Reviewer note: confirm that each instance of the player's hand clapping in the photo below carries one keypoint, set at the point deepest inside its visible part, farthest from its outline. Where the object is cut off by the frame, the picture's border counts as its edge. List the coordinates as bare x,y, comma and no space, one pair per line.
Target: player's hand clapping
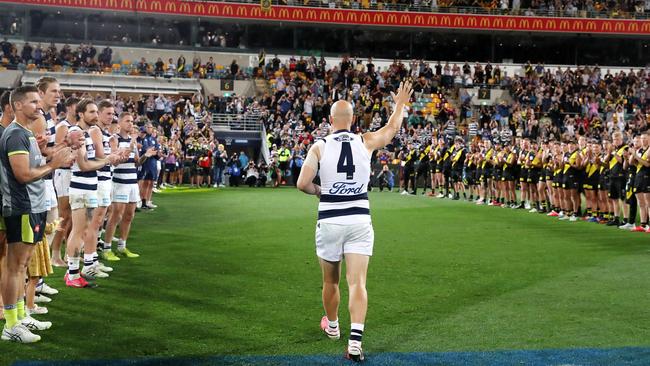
62,157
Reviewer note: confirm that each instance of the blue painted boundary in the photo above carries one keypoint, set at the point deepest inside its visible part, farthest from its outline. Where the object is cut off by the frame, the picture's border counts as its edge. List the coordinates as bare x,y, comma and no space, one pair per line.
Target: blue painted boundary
583,357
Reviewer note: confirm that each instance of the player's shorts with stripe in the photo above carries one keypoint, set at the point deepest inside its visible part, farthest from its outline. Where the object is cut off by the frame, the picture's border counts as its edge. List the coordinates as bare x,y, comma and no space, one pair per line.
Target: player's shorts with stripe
26,228
642,182
616,188
104,192
62,182
86,199
126,193
50,195
334,240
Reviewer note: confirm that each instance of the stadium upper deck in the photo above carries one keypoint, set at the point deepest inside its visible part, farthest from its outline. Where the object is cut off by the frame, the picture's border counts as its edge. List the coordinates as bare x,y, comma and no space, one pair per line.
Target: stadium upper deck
450,33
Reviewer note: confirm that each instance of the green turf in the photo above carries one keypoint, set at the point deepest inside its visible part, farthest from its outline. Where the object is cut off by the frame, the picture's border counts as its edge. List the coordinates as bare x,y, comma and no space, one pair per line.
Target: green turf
234,271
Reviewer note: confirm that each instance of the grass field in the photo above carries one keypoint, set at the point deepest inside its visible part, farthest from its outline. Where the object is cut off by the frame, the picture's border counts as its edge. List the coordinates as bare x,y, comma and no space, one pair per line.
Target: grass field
234,272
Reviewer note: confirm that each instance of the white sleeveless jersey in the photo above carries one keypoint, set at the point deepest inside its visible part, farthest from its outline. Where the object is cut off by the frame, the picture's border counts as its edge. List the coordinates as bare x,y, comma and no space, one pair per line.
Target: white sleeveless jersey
67,124
50,133
126,173
344,175
82,182
51,128
104,174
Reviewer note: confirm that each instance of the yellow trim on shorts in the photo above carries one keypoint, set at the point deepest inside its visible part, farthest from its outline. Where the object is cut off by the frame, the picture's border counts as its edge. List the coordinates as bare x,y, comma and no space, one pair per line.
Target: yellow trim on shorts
17,152
26,232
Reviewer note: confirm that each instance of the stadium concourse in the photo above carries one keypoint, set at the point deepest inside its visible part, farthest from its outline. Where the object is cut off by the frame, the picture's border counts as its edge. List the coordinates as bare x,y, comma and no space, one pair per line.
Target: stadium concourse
567,142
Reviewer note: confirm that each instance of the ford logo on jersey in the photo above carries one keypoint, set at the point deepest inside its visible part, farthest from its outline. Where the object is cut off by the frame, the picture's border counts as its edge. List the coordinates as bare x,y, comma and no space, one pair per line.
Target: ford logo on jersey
345,188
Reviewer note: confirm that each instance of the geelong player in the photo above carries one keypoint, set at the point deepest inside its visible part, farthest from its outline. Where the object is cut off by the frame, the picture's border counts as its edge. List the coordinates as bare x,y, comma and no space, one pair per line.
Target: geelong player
125,190
106,114
344,228
83,193
62,183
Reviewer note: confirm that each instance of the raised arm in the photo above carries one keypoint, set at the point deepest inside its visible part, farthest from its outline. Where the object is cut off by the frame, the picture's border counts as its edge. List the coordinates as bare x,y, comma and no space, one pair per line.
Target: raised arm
382,137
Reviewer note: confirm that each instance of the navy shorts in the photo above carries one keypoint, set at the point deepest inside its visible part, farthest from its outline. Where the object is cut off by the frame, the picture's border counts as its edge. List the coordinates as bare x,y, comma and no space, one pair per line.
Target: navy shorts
148,173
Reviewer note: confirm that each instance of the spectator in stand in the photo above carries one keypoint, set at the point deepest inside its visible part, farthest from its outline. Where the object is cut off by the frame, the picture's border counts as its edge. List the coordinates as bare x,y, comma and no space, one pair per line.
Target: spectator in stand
160,105
171,70
159,67
234,69
143,66
180,66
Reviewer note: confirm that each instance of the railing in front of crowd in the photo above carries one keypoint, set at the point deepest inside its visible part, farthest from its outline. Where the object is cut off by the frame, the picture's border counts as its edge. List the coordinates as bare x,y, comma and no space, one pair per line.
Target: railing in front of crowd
126,68
486,10
236,122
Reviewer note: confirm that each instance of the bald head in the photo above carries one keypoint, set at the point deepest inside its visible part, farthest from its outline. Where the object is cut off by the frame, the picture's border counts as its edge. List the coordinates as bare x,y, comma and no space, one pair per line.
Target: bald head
341,115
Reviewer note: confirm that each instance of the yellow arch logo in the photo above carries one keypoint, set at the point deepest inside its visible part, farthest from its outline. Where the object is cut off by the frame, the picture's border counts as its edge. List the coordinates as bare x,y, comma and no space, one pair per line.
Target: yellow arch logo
459,22
550,24
633,27
170,7
471,22
645,28
419,19
620,27
433,20
352,17
564,24
311,15
578,25
485,23
607,26
213,9
591,26
127,4
325,15
537,24
445,21
185,8
199,9
256,12
155,6
524,24
365,18
378,18
297,14
227,10
498,23
338,16
392,18
284,13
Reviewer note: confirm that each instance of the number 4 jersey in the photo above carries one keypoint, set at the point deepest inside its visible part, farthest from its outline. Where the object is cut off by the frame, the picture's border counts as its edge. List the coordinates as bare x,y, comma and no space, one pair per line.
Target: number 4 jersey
344,175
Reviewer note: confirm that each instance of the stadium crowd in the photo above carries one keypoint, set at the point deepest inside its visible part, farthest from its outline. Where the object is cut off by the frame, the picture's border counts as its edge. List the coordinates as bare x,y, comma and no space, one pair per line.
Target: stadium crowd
564,134
570,8
85,58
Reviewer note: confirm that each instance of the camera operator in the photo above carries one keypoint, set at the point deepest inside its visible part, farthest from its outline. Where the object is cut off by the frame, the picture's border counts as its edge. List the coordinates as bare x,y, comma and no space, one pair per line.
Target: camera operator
251,174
